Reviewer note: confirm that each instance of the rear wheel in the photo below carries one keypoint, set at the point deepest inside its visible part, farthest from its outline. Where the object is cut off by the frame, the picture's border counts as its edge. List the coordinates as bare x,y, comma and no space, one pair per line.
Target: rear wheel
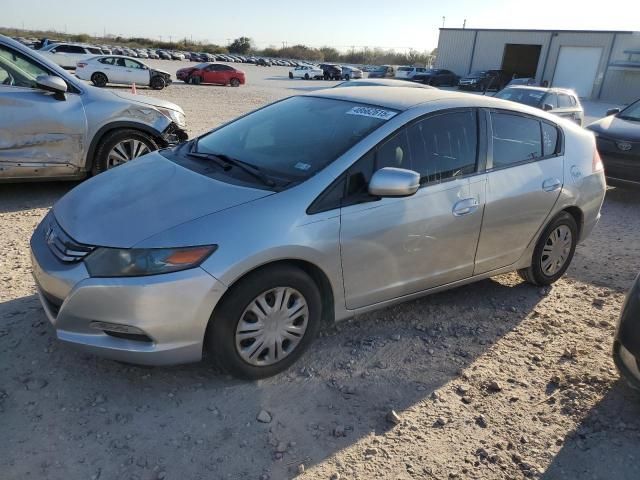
346,77
265,322
119,147
553,252
99,79
290,75
306,76
234,82
158,82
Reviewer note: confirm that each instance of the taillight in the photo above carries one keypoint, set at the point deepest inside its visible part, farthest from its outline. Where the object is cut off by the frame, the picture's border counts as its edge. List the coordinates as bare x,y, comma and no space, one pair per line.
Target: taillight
597,165
81,65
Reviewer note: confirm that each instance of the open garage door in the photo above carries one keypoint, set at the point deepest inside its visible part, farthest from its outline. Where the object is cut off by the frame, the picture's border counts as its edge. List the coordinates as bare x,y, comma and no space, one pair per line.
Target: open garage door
577,68
520,60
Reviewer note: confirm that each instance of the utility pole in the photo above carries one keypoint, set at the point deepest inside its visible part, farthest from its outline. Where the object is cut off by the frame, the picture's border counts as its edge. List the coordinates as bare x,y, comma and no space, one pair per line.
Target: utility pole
464,24
443,20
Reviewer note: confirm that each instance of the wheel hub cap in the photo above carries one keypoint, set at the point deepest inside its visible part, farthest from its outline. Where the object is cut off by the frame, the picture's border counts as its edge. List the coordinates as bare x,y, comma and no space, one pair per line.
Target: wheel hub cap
556,250
126,150
271,326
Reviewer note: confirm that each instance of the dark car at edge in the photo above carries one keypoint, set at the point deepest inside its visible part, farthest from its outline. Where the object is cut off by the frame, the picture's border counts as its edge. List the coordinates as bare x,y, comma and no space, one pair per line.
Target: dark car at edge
618,141
626,346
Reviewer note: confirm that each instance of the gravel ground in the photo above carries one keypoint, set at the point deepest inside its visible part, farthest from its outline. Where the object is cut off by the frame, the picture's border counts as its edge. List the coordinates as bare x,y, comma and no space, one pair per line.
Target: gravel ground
496,380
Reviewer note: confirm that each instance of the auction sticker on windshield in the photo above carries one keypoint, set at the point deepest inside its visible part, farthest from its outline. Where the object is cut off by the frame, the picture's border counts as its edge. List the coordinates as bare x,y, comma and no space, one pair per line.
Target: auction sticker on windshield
372,112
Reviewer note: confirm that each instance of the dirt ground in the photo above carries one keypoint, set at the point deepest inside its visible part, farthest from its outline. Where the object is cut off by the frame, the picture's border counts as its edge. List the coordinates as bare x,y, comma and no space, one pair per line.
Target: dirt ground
495,380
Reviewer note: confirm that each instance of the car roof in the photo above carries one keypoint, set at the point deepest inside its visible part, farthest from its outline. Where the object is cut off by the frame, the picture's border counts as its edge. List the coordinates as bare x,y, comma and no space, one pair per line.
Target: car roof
544,89
406,98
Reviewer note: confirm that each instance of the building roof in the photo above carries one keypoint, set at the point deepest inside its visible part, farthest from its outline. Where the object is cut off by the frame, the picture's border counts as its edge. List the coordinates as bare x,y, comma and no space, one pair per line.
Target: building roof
535,30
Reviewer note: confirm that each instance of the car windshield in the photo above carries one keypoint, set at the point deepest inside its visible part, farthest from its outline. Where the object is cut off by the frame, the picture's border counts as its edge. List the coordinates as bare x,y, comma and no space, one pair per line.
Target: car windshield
201,66
297,137
632,112
481,73
521,95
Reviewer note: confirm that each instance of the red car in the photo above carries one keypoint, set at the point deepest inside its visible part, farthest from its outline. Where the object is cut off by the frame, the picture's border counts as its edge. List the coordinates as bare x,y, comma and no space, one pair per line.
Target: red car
211,73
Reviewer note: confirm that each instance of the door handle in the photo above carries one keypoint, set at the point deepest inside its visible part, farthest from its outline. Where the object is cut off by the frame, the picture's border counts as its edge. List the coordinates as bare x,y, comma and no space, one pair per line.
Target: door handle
551,184
465,207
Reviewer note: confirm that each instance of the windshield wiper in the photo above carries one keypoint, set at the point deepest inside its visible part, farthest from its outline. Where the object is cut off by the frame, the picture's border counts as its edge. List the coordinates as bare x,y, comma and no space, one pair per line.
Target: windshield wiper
228,162
627,117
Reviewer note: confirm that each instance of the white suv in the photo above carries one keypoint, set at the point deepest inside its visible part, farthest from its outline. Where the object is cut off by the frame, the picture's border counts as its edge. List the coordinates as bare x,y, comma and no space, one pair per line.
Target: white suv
408,72
67,55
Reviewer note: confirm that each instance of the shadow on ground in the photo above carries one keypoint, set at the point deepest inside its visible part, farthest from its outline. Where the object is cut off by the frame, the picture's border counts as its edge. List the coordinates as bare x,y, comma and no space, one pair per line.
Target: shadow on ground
16,197
606,445
71,415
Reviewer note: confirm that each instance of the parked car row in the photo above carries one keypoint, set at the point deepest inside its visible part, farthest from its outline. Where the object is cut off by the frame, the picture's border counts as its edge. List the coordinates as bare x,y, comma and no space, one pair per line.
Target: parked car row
326,71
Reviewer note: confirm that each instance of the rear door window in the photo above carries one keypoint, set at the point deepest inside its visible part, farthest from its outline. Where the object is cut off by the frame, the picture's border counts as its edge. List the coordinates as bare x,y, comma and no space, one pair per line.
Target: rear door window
444,146
516,139
550,144
551,100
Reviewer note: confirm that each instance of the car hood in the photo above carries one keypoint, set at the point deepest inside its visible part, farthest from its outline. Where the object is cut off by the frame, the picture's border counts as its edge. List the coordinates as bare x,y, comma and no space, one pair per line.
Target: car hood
163,72
617,128
154,102
124,206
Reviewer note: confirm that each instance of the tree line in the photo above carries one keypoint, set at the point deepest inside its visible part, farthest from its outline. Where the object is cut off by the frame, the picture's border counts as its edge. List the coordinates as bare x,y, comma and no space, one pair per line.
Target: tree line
245,46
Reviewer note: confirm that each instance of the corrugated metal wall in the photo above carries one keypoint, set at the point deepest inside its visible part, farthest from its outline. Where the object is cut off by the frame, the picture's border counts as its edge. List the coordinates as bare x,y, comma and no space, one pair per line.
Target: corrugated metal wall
621,85
454,50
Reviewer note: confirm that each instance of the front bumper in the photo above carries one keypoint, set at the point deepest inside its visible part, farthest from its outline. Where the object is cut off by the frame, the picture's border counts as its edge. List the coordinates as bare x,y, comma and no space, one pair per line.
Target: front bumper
173,135
170,310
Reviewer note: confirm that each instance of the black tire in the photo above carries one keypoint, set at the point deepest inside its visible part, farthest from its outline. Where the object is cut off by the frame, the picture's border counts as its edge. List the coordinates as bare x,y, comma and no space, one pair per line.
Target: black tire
347,78
111,139
535,274
234,82
99,79
326,77
158,82
220,338
187,80
290,75
196,80
306,76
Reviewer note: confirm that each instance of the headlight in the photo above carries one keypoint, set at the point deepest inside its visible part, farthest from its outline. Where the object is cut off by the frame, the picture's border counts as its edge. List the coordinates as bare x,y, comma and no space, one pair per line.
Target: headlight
177,117
137,262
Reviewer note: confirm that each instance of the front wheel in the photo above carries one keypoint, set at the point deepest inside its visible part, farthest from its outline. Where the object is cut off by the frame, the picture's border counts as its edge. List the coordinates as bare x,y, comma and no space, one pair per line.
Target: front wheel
99,79
234,82
120,146
306,76
290,75
346,77
265,322
158,83
553,252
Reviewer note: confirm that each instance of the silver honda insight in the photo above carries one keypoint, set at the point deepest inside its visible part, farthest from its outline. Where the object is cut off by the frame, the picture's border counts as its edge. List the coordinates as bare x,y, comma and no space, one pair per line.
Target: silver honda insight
315,208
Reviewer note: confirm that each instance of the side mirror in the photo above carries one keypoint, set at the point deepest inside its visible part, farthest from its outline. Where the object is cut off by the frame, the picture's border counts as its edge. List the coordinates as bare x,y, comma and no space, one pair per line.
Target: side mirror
51,83
612,111
546,107
394,182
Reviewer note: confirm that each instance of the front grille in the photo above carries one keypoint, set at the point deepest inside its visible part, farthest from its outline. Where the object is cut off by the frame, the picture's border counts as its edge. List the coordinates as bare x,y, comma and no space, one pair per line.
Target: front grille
65,248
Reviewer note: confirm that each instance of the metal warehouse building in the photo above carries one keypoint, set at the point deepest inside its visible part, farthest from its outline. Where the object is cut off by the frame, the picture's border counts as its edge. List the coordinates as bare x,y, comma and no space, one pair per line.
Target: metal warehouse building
599,65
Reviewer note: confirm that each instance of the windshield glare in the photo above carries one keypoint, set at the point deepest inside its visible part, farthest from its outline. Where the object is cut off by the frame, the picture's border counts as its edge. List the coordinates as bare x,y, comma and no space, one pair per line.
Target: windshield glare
632,112
297,137
520,95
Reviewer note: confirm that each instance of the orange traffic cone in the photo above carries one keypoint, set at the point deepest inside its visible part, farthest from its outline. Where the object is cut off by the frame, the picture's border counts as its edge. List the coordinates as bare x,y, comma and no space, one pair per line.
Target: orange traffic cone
133,88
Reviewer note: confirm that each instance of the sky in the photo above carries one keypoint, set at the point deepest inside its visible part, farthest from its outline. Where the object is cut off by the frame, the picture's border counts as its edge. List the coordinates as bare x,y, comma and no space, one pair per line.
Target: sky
397,24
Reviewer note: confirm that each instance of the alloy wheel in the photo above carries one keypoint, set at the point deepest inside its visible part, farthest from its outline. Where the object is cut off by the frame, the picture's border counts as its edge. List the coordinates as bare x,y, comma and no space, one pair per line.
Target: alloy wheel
556,250
126,150
272,326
